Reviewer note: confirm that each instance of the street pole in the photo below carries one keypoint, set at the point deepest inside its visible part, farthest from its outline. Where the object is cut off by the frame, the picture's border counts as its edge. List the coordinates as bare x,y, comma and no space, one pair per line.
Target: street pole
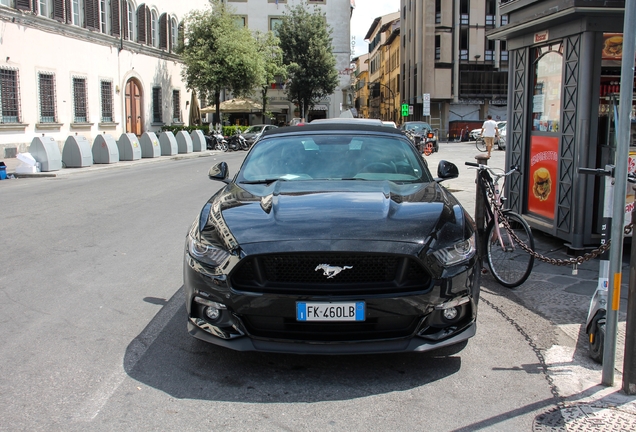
621,157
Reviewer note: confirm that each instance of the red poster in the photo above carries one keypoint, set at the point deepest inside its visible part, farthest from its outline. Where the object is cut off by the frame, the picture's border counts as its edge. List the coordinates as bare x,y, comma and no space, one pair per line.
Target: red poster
543,175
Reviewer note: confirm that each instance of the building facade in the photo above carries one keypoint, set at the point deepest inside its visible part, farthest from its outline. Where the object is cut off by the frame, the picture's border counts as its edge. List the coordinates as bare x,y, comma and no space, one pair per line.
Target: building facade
360,85
445,54
89,67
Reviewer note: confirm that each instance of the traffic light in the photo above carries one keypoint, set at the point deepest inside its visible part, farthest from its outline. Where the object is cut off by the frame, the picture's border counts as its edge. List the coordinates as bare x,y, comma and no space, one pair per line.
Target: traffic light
405,110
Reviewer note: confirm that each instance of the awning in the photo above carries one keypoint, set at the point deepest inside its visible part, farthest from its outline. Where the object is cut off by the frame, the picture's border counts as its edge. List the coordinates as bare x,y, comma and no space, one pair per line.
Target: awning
234,106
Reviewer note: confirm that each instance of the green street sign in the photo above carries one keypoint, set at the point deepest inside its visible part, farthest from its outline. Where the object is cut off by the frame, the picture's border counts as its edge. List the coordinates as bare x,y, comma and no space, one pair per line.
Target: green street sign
405,110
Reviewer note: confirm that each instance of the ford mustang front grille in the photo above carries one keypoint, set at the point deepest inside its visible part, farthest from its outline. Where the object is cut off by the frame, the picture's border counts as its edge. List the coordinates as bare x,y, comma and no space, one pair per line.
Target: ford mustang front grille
324,274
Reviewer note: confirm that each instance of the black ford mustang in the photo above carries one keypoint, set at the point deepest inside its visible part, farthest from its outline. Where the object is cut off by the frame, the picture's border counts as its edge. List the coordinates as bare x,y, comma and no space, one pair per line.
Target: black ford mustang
332,239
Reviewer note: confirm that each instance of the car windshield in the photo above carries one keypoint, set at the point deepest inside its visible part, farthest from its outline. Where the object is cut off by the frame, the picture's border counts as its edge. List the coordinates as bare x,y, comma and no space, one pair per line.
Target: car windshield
333,157
253,129
417,127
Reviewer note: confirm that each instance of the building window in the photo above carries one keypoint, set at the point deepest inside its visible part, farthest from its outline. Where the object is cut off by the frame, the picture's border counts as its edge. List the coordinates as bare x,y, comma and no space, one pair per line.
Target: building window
546,100
156,105
240,20
154,29
80,105
490,20
463,44
489,54
174,32
464,17
46,8
9,96
274,23
107,101
504,20
438,11
438,47
503,51
176,106
77,9
46,84
6,3
131,19
103,16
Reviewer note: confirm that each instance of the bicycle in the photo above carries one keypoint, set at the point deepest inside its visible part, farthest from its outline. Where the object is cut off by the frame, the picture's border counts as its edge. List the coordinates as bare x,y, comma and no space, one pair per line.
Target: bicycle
509,263
480,144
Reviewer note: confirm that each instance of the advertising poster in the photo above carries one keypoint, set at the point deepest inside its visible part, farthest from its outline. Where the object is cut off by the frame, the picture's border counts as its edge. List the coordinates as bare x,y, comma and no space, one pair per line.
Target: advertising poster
612,46
543,175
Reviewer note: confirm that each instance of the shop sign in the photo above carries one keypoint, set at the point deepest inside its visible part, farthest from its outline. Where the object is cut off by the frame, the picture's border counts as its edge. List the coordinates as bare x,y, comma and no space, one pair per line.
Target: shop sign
541,36
612,46
543,173
319,108
468,102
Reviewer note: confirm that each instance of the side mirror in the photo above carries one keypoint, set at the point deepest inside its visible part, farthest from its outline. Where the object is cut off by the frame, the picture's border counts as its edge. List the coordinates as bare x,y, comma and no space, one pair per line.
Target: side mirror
219,172
446,170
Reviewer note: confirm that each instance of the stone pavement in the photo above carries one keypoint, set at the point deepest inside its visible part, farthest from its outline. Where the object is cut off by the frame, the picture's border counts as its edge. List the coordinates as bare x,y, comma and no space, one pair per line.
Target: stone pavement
552,296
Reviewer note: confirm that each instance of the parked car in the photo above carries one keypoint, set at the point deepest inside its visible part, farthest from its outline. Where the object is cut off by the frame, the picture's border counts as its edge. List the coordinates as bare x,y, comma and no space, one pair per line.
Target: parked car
421,131
254,132
501,140
389,124
333,238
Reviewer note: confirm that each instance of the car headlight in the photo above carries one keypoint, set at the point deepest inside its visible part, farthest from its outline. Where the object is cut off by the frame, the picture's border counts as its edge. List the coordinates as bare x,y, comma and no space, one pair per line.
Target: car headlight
206,253
457,253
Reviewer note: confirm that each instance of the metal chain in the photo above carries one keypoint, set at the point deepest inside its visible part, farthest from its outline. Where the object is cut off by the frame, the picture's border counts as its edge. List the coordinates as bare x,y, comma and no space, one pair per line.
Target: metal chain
554,261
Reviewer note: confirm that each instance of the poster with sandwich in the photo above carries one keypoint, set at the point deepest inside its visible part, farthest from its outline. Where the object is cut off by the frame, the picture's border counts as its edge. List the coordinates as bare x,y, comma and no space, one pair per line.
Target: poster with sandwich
542,175
612,46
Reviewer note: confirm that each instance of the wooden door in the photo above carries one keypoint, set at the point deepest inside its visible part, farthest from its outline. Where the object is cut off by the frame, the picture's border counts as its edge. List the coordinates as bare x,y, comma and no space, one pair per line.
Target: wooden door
133,108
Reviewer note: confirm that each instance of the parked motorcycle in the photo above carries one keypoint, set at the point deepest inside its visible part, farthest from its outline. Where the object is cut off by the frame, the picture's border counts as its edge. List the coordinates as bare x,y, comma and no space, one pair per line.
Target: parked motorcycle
216,141
237,142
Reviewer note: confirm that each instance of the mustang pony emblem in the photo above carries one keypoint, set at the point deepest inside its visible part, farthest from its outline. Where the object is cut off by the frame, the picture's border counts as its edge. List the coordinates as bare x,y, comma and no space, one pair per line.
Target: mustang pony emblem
331,271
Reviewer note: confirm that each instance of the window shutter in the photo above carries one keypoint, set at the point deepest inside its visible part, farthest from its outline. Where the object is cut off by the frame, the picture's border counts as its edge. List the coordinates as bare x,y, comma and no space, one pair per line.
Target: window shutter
141,24
181,35
24,5
114,18
58,10
126,32
148,25
68,12
163,31
91,14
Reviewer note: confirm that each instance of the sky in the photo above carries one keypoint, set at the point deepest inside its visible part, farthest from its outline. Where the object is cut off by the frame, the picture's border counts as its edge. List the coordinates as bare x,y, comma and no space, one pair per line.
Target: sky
364,14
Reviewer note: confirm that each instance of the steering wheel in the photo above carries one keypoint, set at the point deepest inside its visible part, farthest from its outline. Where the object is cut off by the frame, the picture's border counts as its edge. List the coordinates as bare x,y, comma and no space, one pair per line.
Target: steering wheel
379,167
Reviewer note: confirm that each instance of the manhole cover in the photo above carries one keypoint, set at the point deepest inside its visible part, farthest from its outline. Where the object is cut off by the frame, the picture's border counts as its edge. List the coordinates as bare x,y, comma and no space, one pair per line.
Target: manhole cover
585,418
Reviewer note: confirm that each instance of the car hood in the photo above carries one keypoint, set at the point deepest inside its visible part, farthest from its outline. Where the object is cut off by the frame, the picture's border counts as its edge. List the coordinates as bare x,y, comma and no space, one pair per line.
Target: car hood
332,211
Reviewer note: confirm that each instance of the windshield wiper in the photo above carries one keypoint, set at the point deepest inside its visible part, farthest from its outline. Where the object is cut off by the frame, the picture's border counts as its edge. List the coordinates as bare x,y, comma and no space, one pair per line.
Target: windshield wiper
264,181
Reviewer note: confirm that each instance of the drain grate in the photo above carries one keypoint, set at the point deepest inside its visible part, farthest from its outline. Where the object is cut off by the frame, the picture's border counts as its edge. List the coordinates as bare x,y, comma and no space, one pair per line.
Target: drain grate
585,418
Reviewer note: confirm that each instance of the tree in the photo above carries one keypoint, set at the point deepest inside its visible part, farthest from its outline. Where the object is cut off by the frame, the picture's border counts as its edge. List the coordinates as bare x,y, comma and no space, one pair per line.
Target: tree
269,48
219,54
308,53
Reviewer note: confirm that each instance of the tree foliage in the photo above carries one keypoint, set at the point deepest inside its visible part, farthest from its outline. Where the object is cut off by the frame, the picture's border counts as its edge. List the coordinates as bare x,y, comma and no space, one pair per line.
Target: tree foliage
219,54
306,42
269,49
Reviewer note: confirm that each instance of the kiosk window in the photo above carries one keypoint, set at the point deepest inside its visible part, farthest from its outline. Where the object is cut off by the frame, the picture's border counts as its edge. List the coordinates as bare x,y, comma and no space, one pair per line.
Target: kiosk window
546,100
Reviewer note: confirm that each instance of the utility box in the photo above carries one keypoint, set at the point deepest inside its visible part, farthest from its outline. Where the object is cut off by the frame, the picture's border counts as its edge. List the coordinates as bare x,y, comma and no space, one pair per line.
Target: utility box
46,151
129,147
198,140
168,144
184,142
105,149
150,147
77,152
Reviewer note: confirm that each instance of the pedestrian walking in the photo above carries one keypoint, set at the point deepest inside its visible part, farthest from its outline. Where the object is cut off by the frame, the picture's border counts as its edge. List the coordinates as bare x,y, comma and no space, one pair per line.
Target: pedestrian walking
489,131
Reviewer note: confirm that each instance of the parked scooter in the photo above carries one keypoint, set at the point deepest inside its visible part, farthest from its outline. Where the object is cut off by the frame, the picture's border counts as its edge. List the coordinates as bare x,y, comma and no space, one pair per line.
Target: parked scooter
216,141
237,142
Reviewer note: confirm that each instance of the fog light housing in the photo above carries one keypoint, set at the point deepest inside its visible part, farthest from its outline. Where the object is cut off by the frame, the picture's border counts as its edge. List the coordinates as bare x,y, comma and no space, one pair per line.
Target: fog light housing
212,312
450,313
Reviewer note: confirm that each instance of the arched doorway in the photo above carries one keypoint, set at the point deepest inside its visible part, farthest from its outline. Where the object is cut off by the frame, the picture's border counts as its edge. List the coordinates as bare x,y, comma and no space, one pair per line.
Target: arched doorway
133,107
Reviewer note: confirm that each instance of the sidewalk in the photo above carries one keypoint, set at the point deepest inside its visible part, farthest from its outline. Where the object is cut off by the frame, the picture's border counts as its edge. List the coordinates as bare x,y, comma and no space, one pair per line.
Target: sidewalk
554,295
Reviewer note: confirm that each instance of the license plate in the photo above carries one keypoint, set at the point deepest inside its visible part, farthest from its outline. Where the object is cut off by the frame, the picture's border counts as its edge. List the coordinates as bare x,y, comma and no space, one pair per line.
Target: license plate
341,311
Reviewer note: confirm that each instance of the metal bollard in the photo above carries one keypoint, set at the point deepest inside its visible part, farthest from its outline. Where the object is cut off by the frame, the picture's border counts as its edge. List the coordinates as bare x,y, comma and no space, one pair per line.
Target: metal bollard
480,210
629,362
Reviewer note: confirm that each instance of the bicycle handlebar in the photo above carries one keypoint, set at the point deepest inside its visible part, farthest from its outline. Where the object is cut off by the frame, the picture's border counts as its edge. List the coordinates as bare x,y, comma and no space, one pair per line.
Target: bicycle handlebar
491,171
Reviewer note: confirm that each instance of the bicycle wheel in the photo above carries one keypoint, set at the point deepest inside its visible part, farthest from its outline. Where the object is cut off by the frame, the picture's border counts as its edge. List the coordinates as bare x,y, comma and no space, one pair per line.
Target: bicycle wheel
510,264
480,144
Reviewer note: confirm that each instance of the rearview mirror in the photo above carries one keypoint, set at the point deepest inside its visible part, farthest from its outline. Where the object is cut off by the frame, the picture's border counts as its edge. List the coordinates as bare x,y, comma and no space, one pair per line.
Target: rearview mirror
219,172
446,170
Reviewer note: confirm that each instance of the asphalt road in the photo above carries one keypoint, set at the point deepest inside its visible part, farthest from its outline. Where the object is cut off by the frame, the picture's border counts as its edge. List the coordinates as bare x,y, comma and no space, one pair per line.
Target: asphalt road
93,330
